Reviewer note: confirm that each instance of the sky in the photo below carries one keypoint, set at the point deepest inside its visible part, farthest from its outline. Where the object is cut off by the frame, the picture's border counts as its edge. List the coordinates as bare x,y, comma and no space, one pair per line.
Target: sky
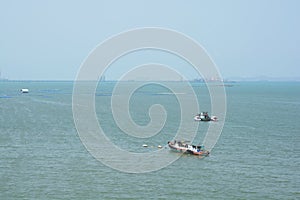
49,40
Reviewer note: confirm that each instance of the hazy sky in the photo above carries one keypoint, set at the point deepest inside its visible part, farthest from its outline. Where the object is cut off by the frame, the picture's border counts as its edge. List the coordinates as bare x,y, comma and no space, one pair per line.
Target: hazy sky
50,39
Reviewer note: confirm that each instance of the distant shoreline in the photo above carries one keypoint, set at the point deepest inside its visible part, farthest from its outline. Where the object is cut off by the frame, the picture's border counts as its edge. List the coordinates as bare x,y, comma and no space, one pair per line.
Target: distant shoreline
191,81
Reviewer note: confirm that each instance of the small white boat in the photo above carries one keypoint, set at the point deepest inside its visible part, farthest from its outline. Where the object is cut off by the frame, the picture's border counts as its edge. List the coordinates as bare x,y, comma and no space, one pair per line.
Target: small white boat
203,116
24,90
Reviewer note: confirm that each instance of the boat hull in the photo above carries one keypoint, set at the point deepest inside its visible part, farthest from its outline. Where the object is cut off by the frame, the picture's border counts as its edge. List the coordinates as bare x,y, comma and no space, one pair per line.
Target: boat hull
213,118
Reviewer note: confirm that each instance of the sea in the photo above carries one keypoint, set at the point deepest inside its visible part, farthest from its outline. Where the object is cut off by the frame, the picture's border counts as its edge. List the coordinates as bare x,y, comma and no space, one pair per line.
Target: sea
257,155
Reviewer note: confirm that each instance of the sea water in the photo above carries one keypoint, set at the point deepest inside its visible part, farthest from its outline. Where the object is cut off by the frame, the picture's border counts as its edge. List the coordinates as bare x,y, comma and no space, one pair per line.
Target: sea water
256,157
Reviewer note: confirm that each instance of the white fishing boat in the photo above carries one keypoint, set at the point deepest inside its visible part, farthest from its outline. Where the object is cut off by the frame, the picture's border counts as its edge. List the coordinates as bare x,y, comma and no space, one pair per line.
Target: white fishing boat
203,116
24,90
183,147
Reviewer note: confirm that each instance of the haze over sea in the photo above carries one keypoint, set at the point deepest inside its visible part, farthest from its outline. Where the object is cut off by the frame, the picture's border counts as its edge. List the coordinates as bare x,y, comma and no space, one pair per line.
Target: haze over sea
256,157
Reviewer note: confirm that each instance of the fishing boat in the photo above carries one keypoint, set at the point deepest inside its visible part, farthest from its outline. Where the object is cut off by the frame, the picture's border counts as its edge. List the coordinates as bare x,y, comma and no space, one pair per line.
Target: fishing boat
183,147
203,116
24,90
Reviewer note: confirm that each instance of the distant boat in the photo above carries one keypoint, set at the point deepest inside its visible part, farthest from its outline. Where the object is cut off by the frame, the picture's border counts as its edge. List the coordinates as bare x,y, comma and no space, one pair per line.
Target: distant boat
203,116
24,90
183,147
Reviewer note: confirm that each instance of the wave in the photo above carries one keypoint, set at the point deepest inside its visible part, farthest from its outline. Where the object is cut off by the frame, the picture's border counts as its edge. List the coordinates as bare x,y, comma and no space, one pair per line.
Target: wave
50,102
5,97
287,102
242,126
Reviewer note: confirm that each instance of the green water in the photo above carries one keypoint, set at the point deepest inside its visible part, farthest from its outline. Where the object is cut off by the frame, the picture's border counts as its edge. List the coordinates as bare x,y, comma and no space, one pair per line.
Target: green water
256,157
